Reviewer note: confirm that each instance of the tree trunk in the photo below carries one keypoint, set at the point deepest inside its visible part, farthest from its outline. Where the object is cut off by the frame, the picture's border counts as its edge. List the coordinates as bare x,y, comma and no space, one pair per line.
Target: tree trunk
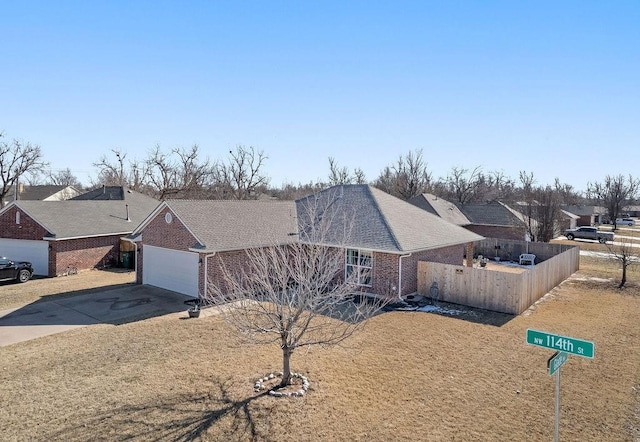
286,366
624,275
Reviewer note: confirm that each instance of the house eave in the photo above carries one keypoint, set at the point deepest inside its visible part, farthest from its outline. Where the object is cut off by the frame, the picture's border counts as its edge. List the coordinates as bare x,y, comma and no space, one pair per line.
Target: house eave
98,235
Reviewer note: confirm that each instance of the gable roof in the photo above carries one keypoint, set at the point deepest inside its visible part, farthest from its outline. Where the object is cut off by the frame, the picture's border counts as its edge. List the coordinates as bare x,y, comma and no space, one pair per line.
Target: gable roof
489,214
77,219
42,192
585,210
378,221
223,225
441,207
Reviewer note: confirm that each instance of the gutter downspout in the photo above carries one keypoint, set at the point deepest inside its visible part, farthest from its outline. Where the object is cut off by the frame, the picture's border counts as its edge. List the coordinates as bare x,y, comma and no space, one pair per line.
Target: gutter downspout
400,274
206,272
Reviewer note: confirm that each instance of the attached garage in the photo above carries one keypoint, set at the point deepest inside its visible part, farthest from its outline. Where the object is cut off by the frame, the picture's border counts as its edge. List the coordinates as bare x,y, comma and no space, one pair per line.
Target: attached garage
170,269
36,252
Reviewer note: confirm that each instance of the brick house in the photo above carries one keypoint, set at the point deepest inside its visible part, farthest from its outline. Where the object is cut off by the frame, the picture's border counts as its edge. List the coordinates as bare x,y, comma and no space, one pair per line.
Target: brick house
490,219
54,235
182,244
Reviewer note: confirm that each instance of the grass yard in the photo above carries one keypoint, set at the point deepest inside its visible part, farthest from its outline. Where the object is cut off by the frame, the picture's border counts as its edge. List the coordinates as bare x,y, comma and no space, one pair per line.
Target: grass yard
406,376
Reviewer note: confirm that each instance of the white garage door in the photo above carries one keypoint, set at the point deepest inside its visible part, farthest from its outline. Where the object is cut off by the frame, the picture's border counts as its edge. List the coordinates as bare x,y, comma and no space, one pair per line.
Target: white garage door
36,252
170,269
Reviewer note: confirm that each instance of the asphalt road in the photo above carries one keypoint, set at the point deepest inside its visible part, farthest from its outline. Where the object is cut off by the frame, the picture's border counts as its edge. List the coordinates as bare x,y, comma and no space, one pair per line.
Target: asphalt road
111,306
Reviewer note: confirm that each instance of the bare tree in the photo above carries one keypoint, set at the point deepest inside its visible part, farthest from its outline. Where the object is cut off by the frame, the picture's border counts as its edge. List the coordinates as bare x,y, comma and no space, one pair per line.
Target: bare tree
614,193
63,177
179,173
16,159
359,176
120,172
546,210
295,294
340,175
627,254
464,183
242,175
407,178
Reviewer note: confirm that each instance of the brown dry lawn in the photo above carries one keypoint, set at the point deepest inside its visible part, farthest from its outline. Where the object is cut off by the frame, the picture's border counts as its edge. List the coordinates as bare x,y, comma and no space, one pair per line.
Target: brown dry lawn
406,376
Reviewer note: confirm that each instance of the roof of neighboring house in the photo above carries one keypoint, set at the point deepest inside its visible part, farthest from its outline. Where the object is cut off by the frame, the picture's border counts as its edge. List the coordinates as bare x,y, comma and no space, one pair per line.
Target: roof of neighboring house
375,220
441,207
221,225
117,193
42,192
569,214
78,219
585,210
489,214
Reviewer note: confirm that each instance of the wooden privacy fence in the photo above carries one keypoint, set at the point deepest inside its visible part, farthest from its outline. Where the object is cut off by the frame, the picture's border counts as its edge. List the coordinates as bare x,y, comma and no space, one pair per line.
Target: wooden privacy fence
495,290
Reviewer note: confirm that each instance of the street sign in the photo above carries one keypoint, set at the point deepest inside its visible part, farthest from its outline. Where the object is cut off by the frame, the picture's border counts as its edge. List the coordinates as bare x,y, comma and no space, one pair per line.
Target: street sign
586,349
556,361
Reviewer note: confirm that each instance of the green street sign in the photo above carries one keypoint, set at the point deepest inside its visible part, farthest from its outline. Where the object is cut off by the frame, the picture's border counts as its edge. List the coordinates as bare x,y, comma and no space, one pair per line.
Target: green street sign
586,349
556,361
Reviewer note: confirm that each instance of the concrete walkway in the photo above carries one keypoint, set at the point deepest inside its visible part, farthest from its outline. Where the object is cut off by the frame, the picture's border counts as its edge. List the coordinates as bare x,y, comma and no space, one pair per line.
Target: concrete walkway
115,306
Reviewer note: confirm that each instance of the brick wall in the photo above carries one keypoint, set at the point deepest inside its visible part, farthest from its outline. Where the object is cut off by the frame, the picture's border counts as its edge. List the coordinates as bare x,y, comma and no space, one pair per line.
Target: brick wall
27,229
446,255
386,267
83,253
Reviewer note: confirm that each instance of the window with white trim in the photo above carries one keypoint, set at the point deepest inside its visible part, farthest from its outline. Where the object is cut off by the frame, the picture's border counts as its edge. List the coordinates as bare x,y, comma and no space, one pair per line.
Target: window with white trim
17,217
360,263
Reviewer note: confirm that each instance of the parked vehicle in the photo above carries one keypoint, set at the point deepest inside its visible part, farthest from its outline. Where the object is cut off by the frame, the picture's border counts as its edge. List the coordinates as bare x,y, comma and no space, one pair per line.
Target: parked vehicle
625,222
21,271
586,232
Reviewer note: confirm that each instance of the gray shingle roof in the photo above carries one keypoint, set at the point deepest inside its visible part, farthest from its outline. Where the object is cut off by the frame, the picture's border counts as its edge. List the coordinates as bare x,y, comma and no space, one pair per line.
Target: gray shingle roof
585,210
379,221
234,225
40,192
489,214
117,193
73,218
441,207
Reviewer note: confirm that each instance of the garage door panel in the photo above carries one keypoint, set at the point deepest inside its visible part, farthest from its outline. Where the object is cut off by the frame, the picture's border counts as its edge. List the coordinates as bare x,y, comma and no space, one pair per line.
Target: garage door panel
36,252
171,269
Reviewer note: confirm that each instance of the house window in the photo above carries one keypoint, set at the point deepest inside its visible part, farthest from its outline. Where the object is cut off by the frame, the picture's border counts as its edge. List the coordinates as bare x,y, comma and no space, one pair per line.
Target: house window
360,263
17,217
168,218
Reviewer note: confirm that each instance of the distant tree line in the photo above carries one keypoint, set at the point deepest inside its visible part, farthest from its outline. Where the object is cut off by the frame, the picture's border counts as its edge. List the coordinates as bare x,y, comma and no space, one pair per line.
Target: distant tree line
186,173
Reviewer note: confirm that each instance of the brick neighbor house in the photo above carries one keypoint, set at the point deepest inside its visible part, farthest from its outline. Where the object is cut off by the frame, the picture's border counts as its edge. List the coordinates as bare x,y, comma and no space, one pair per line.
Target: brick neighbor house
54,235
490,219
182,244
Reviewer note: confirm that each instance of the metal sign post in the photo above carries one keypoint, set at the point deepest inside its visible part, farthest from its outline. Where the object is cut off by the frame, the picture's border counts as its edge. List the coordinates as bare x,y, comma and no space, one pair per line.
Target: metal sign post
553,364
564,345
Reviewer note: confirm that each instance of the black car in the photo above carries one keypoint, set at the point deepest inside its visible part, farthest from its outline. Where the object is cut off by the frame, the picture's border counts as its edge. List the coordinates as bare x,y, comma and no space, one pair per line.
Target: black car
20,271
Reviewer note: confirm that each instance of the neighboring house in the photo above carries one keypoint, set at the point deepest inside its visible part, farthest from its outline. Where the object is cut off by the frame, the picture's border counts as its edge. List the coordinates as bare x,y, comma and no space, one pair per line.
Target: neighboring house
587,215
182,244
54,235
632,211
491,219
42,193
570,221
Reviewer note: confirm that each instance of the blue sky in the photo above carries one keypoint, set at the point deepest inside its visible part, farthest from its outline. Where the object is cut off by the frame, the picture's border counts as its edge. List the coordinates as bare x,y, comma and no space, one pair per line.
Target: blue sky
551,88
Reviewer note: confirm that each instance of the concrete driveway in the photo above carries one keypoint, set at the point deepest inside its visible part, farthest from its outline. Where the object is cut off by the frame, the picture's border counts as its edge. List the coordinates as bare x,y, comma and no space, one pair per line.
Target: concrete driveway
112,306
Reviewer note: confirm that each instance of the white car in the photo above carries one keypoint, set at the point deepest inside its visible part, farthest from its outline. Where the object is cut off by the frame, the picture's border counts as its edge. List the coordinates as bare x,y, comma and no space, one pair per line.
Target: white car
625,222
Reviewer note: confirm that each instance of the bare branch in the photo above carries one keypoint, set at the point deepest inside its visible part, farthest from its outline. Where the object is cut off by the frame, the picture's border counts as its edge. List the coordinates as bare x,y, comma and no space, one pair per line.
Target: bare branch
16,159
297,294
